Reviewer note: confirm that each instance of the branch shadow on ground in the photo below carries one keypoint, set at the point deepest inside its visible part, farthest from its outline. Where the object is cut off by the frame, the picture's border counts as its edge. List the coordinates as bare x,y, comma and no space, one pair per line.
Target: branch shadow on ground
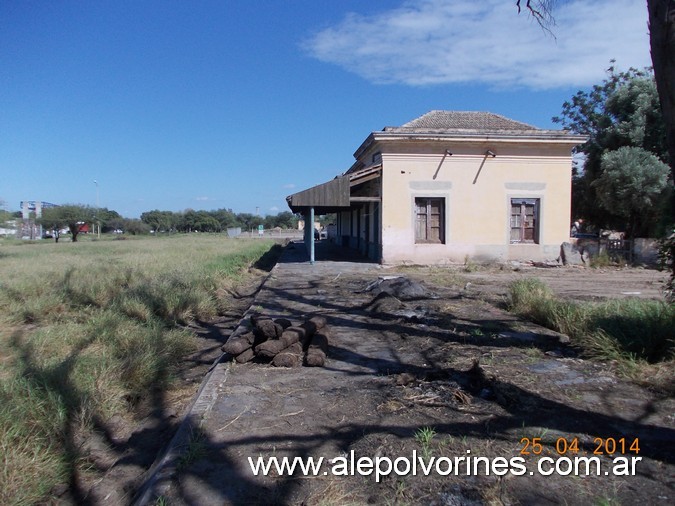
221,473
86,437
103,456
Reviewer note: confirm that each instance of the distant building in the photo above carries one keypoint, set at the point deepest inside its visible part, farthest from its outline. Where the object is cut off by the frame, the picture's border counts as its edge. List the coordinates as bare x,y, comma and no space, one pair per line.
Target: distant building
34,206
31,210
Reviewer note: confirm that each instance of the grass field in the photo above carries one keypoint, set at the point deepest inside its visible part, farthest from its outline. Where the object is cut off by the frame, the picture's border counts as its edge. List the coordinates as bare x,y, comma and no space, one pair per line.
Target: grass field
88,330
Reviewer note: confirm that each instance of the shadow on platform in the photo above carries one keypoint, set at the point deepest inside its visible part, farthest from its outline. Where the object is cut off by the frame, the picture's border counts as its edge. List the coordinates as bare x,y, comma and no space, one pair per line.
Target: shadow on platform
324,251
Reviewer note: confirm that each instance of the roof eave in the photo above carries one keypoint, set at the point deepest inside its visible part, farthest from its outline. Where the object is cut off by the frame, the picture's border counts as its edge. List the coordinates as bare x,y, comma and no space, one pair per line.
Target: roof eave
536,136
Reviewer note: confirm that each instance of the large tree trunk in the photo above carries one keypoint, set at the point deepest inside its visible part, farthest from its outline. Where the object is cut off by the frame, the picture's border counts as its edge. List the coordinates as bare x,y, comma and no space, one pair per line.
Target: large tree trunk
74,230
662,41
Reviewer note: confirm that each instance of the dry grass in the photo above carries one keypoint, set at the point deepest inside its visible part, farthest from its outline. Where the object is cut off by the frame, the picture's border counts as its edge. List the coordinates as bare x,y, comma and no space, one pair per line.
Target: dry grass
331,491
90,329
637,334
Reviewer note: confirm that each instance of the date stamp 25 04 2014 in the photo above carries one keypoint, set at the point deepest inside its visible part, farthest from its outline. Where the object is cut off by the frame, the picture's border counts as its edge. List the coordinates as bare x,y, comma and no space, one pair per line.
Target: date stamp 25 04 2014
564,447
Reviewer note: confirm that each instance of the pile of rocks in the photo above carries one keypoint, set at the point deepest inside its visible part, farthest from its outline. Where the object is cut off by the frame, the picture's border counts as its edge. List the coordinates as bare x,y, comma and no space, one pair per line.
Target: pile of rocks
281,343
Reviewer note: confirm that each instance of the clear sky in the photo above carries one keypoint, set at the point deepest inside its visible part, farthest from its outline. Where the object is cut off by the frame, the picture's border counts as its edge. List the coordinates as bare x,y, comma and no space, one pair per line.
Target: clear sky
237,103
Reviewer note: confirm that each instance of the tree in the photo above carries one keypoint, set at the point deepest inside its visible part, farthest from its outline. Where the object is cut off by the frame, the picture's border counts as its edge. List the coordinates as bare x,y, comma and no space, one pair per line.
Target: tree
72,216
661,15
135,227
154,219
540,10
286,219
632,185
225,217
5,215
248,221
623,111
115,223
186,221
269,222
662,43
207,223
108,219
160,221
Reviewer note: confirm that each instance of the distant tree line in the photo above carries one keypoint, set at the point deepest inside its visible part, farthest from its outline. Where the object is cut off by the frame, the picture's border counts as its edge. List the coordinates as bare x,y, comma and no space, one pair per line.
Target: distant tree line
214,221
74,216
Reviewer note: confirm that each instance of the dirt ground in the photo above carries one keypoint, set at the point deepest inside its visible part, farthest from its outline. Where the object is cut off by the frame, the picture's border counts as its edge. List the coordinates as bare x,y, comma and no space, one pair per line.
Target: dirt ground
449,374
577,283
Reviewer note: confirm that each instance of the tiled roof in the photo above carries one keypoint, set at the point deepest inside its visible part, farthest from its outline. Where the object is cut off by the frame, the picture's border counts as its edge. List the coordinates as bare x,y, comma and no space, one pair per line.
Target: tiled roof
462,120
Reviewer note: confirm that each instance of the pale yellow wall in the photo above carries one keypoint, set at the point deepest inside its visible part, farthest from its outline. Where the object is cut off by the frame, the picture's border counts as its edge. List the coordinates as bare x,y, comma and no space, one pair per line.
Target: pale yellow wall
477,214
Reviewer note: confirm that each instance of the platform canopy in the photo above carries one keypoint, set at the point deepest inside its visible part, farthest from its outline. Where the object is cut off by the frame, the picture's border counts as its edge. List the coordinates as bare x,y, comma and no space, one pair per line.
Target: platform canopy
325,198
336,194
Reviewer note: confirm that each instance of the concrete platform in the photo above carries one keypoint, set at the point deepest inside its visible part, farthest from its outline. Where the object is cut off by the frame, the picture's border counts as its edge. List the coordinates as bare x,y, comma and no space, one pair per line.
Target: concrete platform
249,409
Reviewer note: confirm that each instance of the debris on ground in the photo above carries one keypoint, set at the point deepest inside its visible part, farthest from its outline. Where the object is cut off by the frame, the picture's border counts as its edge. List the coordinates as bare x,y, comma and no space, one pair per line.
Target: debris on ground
279,342
391,291
401,288
318,349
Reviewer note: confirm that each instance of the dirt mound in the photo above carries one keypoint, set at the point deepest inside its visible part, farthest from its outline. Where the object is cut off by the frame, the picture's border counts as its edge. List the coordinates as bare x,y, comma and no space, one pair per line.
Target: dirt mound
384,303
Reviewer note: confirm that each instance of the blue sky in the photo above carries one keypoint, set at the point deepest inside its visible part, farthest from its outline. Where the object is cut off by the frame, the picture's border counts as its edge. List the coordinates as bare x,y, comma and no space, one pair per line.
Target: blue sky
212,104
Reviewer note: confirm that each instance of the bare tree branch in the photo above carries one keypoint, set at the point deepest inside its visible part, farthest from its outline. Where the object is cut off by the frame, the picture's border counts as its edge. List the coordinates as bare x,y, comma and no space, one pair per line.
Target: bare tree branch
542,12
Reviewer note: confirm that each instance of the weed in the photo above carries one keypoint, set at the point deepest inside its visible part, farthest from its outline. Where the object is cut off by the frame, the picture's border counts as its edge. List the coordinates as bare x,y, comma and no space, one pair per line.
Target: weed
601,260
633,332
424,436
667,261
161,501
606,501
470,265
488,358
533,354
400,491
531,432
541,433
335,493
194,450
476,332
448,441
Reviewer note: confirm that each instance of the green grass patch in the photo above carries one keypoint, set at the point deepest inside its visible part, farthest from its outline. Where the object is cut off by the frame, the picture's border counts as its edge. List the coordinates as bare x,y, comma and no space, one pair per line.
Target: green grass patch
630,331
90,329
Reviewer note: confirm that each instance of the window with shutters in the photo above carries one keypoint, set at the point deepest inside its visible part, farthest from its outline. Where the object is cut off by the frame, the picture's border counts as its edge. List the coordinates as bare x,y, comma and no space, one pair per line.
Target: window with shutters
429,220
524,221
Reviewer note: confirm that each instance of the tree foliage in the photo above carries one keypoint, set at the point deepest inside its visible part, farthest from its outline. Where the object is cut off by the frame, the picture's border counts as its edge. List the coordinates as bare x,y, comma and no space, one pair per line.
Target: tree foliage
108,219
5,216
134,227
631,185
213,221
661,16
71,216
159,221
623,111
